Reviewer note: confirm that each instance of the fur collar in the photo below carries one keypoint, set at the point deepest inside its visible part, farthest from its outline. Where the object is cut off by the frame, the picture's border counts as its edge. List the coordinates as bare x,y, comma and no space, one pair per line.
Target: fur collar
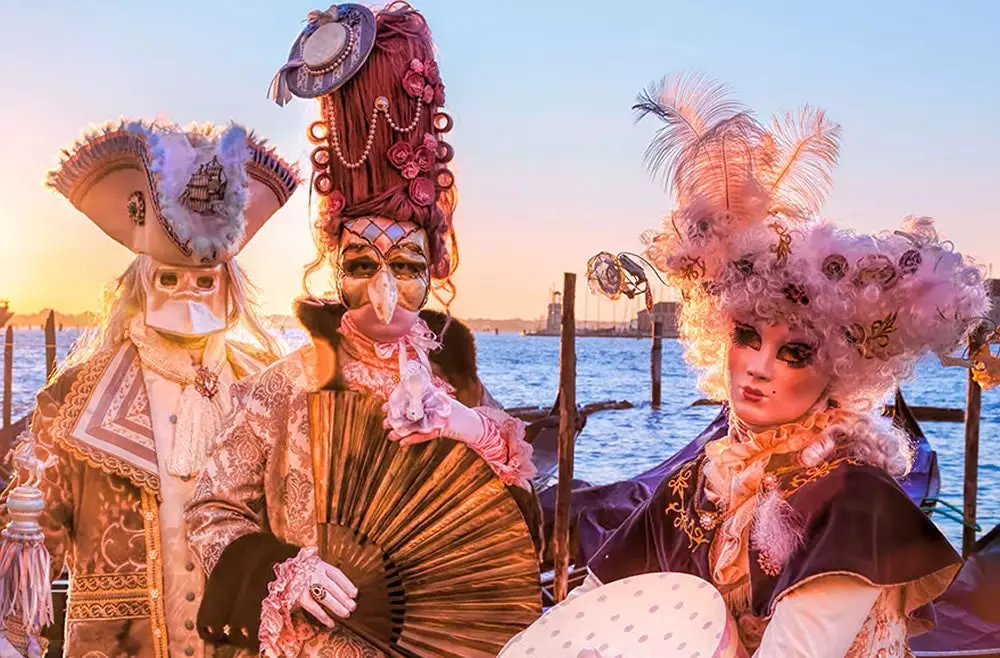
455,361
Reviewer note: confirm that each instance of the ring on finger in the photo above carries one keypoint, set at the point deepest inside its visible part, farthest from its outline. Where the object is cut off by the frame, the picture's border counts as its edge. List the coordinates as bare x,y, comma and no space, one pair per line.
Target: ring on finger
317,592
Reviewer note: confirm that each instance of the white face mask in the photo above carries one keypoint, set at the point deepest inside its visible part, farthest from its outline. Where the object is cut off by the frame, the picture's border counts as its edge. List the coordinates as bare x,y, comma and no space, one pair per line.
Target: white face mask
187,301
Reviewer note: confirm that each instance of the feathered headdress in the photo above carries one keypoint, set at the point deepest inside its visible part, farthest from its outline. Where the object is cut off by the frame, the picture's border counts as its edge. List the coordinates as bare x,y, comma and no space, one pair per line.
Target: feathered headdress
744,242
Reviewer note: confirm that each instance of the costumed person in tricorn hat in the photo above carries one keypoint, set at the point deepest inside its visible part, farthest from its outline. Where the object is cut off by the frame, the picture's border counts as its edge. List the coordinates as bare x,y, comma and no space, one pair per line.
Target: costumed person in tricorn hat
385,225
128,417
803,328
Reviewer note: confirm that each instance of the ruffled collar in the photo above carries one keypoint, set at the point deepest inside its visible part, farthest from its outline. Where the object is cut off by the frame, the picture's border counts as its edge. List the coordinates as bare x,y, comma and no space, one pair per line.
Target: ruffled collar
372,366
742,445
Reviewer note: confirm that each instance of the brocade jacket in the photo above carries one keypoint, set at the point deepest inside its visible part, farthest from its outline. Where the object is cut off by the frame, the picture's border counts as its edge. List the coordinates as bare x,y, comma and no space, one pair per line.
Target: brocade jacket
102,519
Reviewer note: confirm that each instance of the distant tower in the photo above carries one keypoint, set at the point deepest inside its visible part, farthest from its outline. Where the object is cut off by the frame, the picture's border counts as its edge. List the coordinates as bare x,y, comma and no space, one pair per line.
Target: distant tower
553,322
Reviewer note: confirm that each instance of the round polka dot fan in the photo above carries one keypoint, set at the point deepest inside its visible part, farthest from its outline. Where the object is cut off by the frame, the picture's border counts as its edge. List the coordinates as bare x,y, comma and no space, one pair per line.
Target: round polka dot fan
653,615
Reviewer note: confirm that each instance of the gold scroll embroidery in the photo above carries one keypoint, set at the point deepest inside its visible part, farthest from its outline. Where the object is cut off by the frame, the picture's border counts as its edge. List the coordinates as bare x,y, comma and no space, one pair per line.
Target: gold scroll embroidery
679,484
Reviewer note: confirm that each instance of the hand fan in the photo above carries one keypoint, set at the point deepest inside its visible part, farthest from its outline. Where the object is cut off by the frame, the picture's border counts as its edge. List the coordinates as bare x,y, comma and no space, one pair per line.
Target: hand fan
653,615
439,551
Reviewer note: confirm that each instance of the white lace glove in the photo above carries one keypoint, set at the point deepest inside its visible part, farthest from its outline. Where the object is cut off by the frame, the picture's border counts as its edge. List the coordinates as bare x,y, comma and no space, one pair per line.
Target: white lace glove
8,650
460,423
329,592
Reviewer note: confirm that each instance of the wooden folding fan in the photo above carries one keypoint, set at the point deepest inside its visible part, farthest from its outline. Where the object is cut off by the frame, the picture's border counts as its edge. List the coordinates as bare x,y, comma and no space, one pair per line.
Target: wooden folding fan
440,553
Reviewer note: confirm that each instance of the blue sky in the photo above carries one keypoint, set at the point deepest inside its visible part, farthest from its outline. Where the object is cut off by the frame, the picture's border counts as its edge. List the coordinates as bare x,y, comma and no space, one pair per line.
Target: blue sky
548,159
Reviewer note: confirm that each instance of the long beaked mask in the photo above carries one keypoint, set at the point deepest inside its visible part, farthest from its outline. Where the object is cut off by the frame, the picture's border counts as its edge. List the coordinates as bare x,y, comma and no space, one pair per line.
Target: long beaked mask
188,301
384,264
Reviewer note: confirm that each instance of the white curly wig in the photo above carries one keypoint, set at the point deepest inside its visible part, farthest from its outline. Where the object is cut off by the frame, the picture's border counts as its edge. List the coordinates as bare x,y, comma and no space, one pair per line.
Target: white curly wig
744,243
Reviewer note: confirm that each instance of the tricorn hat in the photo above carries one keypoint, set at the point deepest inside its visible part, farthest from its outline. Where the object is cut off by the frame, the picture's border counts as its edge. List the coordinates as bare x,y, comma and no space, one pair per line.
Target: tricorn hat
184,196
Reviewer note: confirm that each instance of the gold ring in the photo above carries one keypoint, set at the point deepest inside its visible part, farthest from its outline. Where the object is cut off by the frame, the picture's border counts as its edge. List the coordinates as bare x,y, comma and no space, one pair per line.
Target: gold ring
318,592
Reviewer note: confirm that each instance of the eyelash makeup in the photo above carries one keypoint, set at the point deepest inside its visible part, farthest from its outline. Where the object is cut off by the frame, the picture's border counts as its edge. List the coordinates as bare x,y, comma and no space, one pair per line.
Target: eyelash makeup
744,335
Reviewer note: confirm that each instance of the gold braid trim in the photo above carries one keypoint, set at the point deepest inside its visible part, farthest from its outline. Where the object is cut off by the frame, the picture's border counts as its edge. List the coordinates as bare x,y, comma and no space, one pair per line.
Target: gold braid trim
108,597
69,412
157,613
679,484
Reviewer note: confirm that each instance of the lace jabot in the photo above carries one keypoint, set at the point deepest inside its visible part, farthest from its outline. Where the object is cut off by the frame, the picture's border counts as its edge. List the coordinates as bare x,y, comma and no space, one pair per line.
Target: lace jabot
372,365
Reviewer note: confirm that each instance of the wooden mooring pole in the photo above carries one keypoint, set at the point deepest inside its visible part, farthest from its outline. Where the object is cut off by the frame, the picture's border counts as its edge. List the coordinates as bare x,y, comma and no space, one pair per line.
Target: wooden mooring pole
974,397
567,435
8,377
50,345
656,362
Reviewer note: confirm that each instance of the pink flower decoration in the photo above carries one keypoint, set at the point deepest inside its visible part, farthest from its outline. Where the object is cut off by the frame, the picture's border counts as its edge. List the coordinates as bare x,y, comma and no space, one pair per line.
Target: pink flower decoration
410,170
431,72
335,203
430,142
439,95
416,65
413,83
424,157
422,191
399,154
428,94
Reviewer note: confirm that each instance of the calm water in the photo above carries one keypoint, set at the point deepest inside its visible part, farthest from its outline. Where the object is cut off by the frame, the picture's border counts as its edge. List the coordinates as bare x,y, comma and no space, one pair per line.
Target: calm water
619,444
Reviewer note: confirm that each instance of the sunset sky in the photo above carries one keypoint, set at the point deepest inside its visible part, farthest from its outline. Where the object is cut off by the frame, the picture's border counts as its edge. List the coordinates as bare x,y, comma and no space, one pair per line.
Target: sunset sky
549,162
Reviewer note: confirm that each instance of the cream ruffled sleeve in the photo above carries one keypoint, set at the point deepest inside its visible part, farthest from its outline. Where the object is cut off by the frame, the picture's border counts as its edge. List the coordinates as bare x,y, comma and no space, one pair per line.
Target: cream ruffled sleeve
819,620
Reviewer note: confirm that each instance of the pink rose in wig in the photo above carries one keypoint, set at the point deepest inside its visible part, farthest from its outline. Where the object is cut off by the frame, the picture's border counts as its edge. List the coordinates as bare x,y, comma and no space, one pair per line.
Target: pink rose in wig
422,191
424,157
439,95
335,203
430,142
413,83
410,170
399,154
416,65
428,94
431,72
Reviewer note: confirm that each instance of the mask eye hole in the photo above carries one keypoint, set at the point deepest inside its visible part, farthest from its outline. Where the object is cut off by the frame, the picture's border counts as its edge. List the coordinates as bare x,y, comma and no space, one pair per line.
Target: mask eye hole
363,267
406,270
168,279
205,282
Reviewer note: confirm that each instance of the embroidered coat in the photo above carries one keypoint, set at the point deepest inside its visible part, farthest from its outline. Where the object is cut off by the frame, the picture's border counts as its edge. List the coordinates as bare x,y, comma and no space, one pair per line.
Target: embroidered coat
103,498
256,497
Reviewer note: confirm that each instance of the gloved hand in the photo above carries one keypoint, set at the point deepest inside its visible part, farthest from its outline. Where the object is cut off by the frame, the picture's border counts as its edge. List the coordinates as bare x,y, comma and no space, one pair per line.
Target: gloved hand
329,592
7,650
460,423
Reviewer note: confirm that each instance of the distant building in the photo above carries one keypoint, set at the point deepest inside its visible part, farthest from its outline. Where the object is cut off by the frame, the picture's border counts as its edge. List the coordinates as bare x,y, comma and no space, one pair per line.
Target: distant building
665,312
553,320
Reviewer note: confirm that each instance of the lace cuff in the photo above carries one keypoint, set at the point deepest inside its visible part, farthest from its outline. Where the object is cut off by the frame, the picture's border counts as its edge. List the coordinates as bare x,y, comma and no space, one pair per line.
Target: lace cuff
504,448
279,634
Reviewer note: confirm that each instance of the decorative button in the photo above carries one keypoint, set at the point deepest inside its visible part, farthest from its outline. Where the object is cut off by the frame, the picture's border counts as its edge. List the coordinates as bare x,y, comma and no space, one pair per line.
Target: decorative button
189,625
155,594
157,632
149,516
152,554
173,419
189,651
189,596
189,566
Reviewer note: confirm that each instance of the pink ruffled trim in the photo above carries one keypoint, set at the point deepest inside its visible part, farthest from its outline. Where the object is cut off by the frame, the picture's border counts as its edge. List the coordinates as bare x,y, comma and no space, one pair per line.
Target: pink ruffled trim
279,634
504,448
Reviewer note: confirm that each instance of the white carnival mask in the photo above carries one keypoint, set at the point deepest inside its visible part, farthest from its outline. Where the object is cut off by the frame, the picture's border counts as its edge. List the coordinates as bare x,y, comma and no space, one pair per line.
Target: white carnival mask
188,301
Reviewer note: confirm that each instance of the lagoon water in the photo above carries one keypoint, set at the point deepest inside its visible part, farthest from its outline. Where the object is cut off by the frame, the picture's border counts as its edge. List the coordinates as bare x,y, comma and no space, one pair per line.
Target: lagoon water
619,444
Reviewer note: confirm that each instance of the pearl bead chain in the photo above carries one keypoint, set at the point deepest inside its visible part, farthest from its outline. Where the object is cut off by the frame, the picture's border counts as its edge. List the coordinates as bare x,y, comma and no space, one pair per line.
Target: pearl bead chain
381,105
